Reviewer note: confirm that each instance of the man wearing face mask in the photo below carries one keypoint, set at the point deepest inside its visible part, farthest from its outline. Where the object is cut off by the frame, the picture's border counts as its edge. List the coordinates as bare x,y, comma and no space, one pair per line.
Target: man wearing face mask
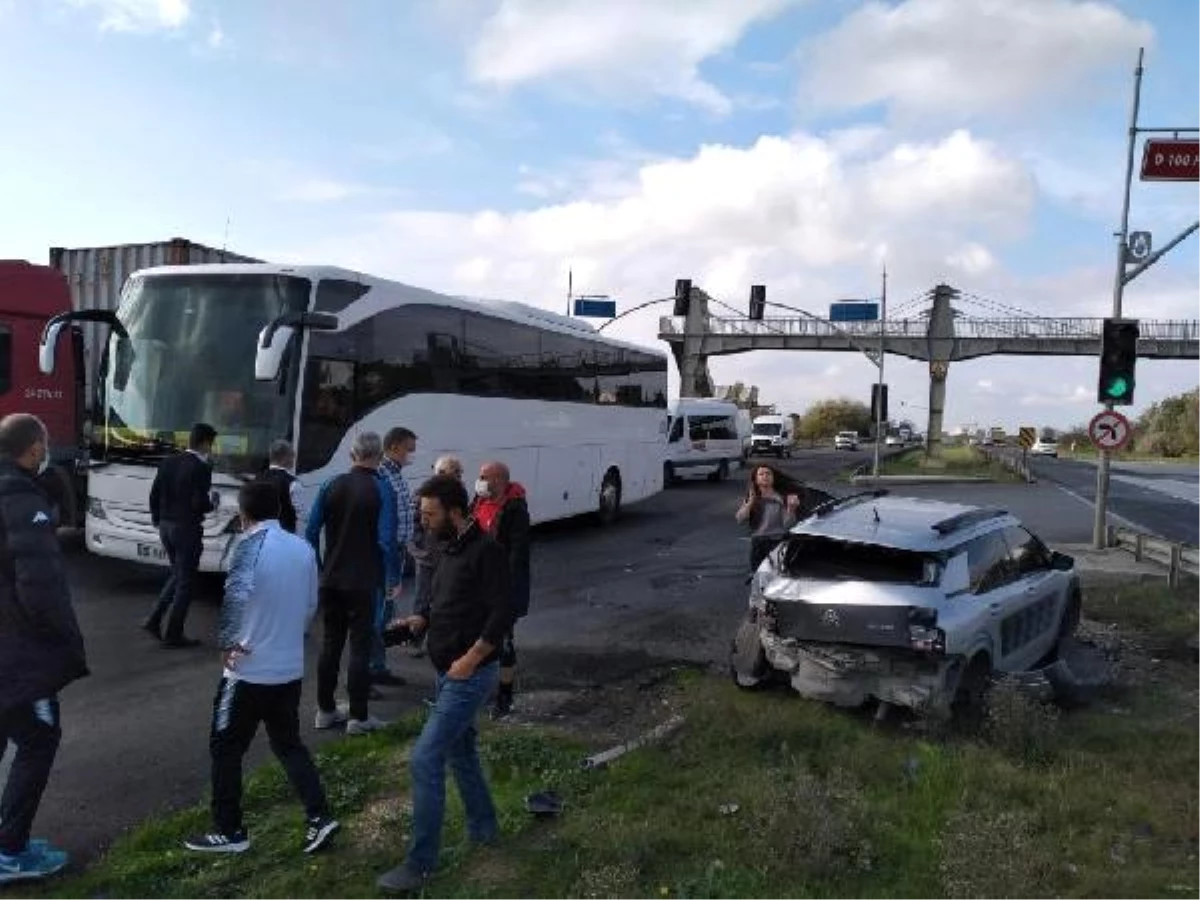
501,510
41,648
180,497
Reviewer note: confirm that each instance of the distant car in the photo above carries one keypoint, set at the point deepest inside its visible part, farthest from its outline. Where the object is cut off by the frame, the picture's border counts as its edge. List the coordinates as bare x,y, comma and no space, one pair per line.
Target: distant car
906,601
1044,447
893,440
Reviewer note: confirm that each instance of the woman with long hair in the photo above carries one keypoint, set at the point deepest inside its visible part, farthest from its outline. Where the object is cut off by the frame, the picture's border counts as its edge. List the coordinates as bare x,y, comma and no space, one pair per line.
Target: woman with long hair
771,507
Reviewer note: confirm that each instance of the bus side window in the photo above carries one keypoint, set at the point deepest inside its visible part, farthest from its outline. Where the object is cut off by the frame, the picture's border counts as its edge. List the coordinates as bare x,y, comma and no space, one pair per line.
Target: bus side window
328,410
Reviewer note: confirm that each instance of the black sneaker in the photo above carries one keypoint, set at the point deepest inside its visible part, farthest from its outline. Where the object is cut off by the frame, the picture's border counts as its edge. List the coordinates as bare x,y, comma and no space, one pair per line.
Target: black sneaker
503,707
318,832
238,842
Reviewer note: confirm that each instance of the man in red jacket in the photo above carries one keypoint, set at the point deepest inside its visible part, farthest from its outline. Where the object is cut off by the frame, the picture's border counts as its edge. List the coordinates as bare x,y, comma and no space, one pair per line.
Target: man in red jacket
501,510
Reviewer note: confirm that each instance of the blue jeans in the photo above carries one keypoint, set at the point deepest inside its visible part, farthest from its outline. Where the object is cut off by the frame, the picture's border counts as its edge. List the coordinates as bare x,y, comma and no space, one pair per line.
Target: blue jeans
383,610
449,736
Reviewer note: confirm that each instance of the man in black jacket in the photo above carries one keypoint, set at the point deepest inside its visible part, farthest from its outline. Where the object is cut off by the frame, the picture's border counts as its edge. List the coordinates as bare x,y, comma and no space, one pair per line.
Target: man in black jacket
282,460
502,510
180,497
469,614
41,649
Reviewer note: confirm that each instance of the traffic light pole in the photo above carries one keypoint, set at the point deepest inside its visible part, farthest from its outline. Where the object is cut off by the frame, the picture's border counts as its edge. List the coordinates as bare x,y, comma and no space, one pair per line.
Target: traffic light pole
1100,524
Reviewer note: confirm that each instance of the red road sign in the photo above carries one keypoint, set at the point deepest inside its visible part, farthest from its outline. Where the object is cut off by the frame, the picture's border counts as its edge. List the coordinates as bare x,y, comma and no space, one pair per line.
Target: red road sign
1109,430
1171,159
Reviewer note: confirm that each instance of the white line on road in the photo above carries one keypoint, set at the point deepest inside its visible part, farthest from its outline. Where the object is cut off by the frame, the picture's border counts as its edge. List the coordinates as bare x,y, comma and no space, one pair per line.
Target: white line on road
1187,491
1120,520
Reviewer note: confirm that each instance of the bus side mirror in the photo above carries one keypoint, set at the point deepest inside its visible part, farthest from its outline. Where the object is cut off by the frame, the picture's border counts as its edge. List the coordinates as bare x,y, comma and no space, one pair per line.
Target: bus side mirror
273,341
48,347
271,348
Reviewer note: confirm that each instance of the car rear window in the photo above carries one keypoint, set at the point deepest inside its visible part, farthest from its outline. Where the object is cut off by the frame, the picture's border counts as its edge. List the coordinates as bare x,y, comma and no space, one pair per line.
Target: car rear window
809,556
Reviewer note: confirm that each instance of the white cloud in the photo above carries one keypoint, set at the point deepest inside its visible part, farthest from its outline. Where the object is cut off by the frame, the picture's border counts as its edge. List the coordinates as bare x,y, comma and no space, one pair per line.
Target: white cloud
621,48
320,190
967,58
138,15
792,212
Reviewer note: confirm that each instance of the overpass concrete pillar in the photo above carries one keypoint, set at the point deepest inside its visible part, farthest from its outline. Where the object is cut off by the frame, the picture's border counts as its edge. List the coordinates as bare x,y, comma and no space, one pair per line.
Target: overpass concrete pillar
694,377
942,346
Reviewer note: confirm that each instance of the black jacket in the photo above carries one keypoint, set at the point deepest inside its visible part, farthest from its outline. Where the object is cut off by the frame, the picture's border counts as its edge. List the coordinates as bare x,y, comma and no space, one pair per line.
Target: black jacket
181,490
471,598
511,531
41,648
282,480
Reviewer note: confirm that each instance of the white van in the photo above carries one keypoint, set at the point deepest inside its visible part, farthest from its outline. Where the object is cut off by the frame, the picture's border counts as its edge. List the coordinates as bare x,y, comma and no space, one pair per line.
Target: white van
702,439
772,434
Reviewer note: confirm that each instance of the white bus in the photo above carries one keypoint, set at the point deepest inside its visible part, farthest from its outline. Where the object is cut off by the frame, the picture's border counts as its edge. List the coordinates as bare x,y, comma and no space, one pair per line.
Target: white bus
316,354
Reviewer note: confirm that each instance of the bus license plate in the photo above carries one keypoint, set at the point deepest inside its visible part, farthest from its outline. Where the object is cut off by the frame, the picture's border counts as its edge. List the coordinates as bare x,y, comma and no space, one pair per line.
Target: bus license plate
151,551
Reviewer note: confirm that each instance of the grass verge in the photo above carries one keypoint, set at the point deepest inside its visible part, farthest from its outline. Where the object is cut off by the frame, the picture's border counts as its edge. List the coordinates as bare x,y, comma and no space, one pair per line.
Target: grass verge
963,462
759,794
1164,619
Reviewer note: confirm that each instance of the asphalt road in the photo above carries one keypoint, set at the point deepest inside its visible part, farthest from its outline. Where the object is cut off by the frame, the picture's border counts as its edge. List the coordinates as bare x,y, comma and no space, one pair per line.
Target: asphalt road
666,583
1161,498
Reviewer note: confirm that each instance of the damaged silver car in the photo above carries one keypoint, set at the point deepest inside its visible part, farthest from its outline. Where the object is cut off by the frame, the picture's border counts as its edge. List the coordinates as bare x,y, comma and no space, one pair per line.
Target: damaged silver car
905,601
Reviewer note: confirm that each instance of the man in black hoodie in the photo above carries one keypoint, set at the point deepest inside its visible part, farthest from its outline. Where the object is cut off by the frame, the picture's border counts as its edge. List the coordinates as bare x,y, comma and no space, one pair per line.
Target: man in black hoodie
469,613
41,649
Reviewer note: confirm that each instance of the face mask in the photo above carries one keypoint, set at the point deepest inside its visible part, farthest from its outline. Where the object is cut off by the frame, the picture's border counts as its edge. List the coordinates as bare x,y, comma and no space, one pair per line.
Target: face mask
482,488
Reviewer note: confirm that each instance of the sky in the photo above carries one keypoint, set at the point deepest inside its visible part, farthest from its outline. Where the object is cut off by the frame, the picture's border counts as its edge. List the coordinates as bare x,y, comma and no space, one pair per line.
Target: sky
488,147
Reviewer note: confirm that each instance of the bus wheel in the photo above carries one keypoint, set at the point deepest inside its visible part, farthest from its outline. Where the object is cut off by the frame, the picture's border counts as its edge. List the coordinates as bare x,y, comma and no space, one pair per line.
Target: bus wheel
610,498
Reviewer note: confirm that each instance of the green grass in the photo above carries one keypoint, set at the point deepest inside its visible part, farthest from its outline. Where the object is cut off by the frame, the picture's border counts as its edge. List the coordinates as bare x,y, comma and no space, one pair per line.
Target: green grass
963,462
759,794
1165,618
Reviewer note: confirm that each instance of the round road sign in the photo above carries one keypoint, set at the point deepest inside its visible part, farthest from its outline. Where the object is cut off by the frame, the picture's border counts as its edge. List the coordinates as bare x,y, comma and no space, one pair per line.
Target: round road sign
1109,430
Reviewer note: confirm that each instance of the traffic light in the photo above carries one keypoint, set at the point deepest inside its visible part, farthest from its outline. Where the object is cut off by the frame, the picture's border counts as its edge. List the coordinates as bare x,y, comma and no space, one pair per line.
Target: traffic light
758,301
879,408
683,296
1118,358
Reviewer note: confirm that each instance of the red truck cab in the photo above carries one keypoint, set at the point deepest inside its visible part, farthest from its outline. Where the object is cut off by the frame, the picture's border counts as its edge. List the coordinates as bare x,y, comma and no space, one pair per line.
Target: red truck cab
29,295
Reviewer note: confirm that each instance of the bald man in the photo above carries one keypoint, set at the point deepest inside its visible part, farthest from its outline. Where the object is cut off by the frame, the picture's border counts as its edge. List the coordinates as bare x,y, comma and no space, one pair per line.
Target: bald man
501,510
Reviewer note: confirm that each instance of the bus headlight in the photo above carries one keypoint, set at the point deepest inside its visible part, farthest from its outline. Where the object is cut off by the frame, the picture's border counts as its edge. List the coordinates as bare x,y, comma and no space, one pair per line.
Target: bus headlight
95,508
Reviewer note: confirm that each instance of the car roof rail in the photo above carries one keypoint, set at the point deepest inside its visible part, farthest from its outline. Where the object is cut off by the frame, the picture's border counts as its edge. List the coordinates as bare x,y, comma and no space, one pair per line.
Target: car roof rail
967,519
829,506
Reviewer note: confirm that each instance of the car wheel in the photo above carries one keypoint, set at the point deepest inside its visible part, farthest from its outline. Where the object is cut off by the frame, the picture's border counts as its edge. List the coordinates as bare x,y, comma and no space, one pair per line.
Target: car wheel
748,666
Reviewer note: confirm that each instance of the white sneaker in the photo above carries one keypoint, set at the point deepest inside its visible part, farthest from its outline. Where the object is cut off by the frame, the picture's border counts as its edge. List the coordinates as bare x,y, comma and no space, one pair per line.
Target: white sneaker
330,719
365,726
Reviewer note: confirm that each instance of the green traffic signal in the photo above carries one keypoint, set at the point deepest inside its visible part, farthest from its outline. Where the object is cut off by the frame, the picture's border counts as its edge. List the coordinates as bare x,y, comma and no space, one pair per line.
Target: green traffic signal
1117,388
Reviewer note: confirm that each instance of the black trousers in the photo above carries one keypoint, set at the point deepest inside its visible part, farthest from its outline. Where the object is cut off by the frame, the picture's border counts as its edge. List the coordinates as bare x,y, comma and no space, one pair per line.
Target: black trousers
347,614
238,708
34,729
184,544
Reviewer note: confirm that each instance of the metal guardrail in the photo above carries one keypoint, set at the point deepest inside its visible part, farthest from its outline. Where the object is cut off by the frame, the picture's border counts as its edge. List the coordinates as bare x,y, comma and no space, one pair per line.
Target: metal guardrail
1011,459
1177,557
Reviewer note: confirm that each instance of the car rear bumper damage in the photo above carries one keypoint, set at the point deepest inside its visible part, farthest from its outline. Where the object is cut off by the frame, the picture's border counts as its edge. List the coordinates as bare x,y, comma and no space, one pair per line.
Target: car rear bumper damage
849,676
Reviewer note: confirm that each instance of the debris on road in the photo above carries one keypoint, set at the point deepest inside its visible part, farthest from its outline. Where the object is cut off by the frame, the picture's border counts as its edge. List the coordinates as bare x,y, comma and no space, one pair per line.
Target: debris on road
602,759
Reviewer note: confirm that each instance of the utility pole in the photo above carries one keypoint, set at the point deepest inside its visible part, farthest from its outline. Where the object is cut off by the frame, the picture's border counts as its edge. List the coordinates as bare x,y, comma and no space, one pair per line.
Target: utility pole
879,399
1100,525
570,286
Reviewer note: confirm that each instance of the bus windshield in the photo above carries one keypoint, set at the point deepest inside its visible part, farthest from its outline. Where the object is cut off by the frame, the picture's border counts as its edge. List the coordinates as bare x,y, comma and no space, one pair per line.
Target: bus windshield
189,358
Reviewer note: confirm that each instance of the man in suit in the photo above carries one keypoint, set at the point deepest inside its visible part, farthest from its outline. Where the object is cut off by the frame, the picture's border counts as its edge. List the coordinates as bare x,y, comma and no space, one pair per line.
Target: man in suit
180,498
281,474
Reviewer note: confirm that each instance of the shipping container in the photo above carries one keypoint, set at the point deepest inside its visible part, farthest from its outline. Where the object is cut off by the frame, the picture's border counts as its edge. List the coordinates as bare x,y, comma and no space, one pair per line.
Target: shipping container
96,275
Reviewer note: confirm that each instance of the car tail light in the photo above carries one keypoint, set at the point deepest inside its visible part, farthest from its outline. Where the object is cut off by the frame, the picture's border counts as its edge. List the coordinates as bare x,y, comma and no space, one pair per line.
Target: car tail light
923,633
